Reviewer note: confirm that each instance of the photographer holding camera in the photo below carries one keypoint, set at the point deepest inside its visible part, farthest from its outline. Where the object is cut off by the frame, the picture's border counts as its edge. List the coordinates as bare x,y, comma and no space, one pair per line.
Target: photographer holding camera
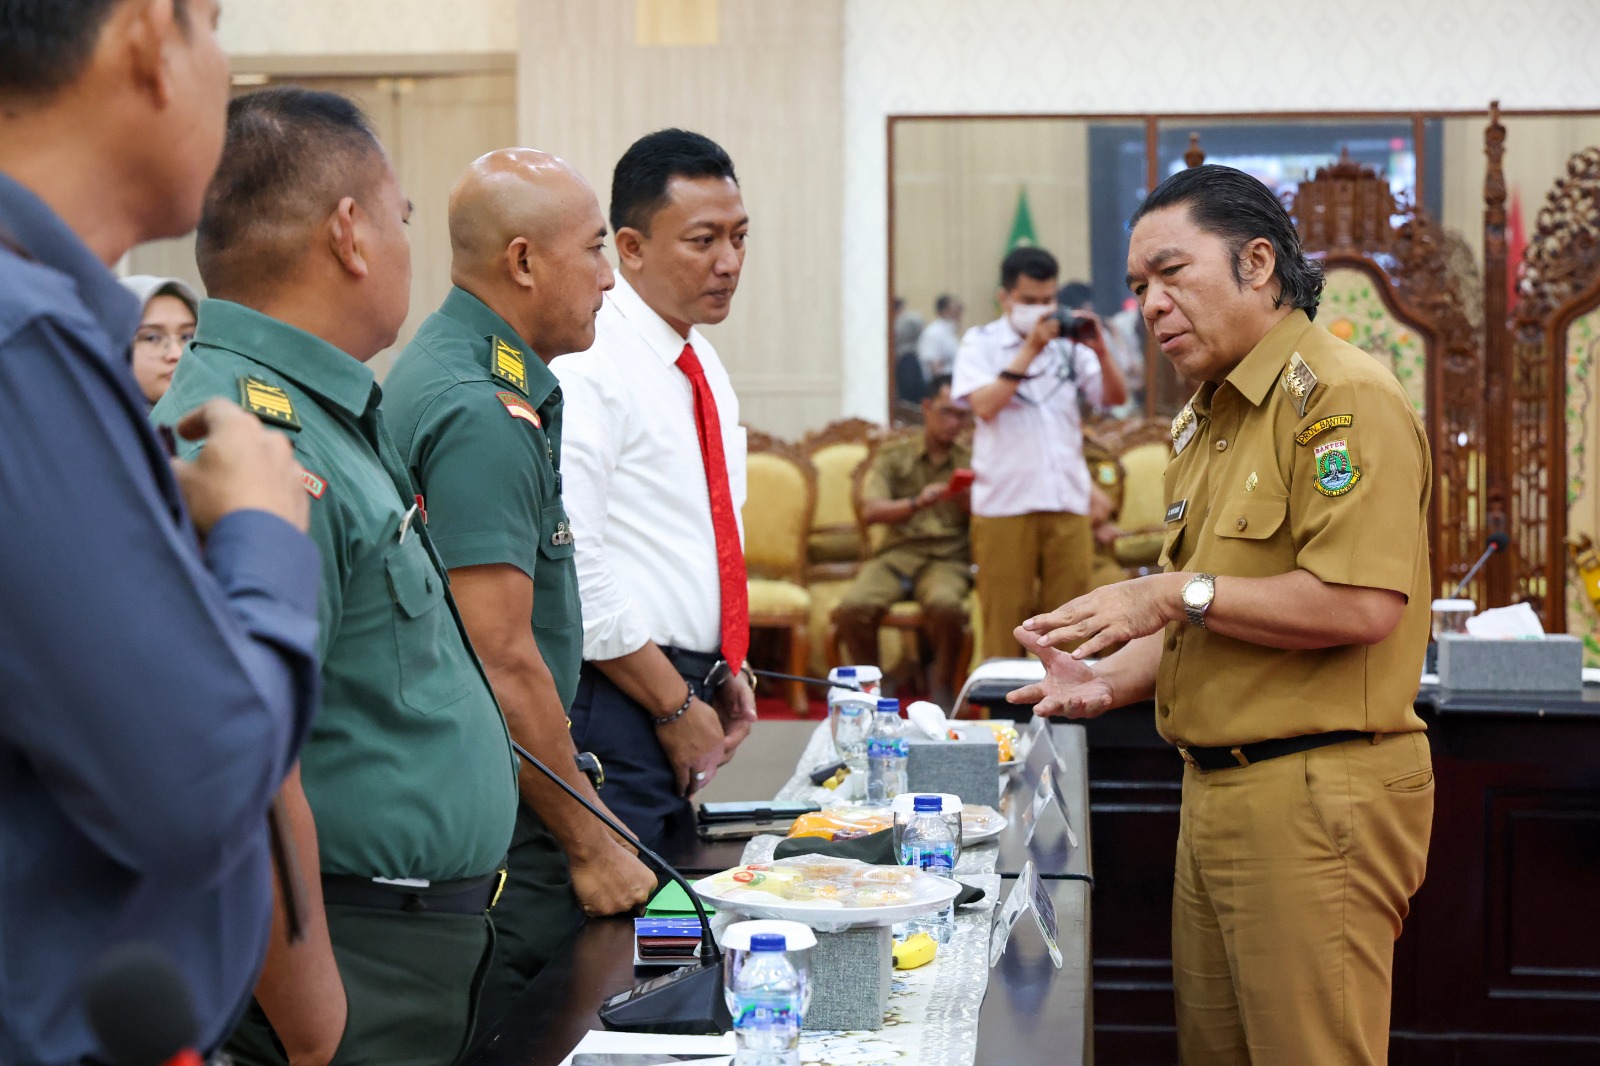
1023,375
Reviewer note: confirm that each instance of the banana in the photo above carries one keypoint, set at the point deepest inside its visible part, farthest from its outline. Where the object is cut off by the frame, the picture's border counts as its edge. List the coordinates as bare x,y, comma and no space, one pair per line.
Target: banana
914,951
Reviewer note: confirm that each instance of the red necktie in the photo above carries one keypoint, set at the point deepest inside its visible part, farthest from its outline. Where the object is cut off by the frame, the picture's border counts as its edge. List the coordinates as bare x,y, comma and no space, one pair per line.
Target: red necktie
730,553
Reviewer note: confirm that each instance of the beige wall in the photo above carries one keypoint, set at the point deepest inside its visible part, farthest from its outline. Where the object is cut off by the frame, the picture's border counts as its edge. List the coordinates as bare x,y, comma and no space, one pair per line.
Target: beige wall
768,92
349,27
955,198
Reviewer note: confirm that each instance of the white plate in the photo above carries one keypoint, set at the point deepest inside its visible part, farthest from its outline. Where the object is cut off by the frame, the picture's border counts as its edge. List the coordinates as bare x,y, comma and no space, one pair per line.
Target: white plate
995,824
934,893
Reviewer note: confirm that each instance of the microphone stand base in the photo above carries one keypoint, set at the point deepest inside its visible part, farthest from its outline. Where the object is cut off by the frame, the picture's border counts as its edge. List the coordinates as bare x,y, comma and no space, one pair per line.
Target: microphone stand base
687,1001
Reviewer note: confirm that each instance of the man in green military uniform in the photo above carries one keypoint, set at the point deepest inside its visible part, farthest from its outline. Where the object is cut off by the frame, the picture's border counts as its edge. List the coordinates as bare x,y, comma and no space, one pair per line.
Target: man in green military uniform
406,792
1283,645
925,554
477,415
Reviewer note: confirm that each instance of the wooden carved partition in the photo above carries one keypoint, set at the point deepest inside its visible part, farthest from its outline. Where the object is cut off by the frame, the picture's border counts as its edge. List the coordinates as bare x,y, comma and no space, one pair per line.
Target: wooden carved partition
1552,356
1426,284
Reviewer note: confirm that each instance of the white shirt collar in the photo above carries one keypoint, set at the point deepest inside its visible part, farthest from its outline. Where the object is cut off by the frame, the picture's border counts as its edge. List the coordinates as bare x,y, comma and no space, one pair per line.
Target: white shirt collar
662,339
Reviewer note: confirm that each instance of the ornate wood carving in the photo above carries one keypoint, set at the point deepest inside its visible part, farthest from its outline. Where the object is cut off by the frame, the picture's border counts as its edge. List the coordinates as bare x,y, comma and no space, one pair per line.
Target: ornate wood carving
1194,155
1559,281
1347,214
843,431
1498,448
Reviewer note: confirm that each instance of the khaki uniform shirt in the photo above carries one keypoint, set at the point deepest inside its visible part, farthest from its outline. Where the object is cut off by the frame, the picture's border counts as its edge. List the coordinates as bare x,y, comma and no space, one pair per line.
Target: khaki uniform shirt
409,770
1309,456
477,416
899,471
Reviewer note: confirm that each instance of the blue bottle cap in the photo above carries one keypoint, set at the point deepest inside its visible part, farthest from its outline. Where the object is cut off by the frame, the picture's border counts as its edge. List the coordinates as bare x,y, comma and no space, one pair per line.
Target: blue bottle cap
768,942
889,706
930,804
844,671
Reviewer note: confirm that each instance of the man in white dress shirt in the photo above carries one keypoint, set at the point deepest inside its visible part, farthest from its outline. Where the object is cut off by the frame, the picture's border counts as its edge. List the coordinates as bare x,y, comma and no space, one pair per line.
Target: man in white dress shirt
937,347
653,460
1031,536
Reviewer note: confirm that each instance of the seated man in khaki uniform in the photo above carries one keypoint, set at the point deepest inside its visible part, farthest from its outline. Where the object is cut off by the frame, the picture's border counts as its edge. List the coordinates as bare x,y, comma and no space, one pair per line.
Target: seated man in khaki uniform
1283,645
926,555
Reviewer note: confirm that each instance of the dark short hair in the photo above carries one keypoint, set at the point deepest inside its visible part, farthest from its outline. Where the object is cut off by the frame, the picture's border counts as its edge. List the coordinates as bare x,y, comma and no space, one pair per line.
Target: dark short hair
1231,204
46,44
943,303
290,155
1035,263
1075,294
639,183
937,382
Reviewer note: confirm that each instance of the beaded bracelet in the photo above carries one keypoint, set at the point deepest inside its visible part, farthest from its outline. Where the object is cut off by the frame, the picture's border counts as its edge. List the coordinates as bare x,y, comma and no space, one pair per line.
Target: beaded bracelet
680,712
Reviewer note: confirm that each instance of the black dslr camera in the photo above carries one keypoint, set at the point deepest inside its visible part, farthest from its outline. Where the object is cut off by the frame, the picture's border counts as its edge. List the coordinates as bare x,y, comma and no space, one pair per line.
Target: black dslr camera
1075,327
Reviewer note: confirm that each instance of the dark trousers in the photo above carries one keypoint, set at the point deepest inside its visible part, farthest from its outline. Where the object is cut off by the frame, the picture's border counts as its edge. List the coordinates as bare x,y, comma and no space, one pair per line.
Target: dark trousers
639,788
412,983
536,914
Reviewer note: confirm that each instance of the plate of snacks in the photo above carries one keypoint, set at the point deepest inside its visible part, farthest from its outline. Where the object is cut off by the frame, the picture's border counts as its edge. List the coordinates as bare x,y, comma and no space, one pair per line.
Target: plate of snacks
827,893
1005,735
978,823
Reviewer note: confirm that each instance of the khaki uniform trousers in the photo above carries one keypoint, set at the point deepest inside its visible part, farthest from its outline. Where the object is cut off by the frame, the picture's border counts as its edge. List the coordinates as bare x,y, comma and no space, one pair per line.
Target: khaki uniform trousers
1027,563
1293,876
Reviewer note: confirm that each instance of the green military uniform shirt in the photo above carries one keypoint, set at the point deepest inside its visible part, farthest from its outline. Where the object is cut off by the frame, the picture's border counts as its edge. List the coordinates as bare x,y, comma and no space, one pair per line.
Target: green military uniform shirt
477,416
1308,456
408,769
900,470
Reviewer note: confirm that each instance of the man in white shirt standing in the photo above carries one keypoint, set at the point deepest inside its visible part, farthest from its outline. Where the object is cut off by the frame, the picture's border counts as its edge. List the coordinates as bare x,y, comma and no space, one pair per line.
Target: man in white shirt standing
1031,535
937,347
653,460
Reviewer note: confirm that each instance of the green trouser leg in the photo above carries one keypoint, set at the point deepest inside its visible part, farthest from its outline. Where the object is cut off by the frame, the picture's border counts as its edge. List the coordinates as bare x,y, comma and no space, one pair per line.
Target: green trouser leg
412,982
537,914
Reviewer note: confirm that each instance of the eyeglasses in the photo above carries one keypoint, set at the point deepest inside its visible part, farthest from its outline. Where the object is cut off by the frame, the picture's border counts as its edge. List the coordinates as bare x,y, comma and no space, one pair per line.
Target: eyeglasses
160,338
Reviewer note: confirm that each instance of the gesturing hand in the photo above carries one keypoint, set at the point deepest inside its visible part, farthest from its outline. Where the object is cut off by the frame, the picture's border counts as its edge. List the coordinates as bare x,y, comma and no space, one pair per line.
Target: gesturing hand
1111,614
1070,688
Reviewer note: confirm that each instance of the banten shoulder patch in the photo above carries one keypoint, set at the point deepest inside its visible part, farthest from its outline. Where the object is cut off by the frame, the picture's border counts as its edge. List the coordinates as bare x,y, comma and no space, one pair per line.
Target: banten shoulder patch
1336,474
267,402
509,366
1299,382
1331,422
517,407
1183,428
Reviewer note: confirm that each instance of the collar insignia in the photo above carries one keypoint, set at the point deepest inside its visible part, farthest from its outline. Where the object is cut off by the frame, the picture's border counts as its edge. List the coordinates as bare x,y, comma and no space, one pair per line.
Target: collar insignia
1183,428
1299,382
509,367
268,403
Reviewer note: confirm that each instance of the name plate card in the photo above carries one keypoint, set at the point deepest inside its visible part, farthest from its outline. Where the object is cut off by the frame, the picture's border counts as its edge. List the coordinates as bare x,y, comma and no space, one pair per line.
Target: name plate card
1041,752
1029,894
1046,798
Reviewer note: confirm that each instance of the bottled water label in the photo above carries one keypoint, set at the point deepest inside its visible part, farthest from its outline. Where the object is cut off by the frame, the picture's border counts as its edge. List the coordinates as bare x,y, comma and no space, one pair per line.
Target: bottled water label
938,859
887,748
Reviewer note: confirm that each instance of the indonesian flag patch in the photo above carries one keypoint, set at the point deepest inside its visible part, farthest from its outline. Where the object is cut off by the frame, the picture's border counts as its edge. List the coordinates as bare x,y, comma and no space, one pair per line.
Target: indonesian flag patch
517,407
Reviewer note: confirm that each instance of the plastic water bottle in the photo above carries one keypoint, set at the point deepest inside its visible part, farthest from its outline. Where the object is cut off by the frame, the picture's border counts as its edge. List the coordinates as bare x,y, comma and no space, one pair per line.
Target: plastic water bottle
927,843
765,1002
868,679
886,754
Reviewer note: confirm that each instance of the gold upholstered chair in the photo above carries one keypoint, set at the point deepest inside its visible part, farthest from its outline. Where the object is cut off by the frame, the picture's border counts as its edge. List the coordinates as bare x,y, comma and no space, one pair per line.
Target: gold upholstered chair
782,493
1142,448
834,549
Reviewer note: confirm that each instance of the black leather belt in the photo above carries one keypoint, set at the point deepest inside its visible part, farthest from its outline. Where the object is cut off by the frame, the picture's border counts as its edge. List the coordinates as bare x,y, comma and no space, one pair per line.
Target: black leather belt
1208,759
706,670
472,895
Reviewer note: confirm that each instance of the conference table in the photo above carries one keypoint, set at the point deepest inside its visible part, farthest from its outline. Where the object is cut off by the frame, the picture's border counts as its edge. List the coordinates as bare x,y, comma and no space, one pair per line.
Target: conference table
1031,1012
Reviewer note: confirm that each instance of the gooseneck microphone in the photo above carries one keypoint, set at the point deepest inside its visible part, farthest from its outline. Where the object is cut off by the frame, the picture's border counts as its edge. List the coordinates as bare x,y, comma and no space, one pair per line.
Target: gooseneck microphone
139,1009
820,682
1498,542
688,1000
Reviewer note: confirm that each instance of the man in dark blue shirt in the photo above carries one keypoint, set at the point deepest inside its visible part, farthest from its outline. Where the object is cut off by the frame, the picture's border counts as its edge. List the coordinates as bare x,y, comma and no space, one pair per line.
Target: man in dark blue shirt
153,693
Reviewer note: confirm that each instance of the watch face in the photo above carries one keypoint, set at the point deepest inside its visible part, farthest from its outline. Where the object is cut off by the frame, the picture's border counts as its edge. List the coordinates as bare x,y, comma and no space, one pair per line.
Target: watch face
1196,594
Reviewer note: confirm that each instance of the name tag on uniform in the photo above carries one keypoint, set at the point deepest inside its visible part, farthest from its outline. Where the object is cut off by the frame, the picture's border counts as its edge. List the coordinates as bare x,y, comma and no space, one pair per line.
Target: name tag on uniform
1175,512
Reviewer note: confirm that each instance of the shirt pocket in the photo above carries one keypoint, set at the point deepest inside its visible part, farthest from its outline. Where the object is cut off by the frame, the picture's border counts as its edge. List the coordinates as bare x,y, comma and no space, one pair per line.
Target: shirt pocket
423,629
555,584
1250,517
1170,545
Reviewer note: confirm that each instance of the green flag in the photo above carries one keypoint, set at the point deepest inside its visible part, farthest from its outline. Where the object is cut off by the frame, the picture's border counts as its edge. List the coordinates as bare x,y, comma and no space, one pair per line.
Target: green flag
1022,234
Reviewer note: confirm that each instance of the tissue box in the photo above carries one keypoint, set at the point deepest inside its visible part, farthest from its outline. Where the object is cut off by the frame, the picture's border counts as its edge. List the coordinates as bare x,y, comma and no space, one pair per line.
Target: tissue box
851,974
966,768
1552,663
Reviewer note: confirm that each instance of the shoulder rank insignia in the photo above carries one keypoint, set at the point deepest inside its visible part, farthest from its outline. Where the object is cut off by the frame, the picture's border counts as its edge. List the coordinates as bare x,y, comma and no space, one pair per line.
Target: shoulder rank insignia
267,402
1183,428
314,485
517,407
1336,474
509,367
1299,382
562,536
1331,422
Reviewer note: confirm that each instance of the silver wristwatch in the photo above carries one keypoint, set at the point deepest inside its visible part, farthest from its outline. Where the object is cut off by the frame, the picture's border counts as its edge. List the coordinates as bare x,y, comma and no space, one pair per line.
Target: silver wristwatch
1198,593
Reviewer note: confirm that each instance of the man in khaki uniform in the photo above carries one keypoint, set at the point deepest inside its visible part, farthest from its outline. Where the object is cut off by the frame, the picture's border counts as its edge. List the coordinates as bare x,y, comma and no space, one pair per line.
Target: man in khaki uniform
1283,644
925,552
